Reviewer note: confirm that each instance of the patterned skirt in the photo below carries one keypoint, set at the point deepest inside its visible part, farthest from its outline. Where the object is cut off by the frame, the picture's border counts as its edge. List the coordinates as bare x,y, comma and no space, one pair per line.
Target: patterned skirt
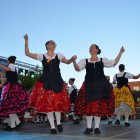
93,108
124,95
44,101
14,100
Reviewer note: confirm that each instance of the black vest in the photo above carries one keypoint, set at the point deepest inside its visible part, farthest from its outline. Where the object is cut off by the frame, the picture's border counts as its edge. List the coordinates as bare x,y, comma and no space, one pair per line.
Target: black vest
51,76
12,77
73,95
96,85
122,81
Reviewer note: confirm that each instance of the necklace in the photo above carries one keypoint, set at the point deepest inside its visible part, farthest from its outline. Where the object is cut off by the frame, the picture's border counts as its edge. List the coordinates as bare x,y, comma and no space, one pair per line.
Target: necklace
50,58
94,59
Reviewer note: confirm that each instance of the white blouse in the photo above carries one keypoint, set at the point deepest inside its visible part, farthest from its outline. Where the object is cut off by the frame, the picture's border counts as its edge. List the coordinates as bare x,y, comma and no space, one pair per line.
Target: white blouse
40,56
71,89
12,67
127,75
107,63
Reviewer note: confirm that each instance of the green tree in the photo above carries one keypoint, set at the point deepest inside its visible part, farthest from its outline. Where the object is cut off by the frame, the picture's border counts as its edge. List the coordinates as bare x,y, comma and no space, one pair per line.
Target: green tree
28,81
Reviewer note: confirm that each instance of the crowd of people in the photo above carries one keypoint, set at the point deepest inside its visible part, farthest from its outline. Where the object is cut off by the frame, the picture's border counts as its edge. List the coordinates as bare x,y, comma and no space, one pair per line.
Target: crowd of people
50,98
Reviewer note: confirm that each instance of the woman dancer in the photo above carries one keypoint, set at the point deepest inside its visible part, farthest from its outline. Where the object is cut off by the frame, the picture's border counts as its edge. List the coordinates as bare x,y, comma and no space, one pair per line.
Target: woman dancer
14,100
49,94
94,98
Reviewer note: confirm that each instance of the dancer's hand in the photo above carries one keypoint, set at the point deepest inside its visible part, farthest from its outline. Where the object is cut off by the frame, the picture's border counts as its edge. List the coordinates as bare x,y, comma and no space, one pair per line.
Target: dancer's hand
74,57
122,49
26,37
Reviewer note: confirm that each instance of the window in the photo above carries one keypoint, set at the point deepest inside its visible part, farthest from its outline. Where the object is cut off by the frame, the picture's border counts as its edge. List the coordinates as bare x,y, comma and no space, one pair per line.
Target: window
136,88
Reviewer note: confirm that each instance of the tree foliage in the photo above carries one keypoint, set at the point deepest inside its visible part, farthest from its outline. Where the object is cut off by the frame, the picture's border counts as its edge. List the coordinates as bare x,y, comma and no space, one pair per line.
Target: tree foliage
28,81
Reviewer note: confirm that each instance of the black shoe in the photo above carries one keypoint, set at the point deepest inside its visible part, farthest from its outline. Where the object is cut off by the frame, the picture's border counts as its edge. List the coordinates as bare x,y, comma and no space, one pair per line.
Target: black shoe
110,122
76,122
19,125
4,124
117,122
127,124
60,128
88,131
97,131
70,117
46,121
53,131
8,128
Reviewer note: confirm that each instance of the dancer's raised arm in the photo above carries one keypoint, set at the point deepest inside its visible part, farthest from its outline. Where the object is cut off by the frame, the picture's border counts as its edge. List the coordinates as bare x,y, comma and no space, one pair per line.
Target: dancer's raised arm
119,56
27,52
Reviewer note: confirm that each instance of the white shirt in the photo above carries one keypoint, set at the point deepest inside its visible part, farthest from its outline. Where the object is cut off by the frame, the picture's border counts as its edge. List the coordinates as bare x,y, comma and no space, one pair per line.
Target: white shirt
71,89
107,63
127,75
40,56
12,67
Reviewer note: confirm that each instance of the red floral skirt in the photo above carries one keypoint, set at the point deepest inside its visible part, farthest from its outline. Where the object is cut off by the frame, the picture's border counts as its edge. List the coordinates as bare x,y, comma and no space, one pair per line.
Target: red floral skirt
44,101
93,108
14,100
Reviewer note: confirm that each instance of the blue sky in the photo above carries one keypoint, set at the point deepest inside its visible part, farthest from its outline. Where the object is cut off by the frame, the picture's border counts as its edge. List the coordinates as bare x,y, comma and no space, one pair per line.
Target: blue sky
74,25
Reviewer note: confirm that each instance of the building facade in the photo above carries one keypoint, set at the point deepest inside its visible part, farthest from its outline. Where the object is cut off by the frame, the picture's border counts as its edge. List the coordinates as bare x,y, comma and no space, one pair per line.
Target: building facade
135,86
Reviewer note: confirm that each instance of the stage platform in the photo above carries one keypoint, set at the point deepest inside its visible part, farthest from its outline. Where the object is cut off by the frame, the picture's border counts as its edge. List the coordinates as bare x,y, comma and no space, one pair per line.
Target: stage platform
30,131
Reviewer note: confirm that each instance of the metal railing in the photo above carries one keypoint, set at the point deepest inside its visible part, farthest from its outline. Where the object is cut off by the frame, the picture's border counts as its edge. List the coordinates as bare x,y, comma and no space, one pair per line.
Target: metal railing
21,65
